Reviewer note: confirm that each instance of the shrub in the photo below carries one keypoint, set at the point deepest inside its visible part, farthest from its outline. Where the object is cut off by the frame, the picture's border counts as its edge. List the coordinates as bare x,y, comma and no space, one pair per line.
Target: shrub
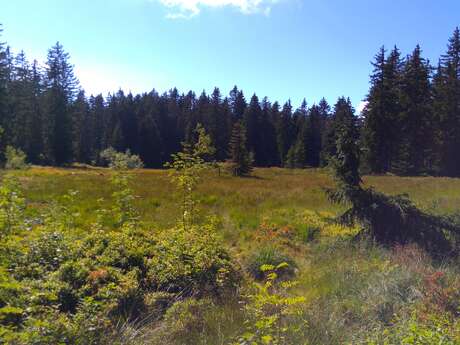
429,329
273,257
12,206
187,316
192,263
273,312
121,160
15,158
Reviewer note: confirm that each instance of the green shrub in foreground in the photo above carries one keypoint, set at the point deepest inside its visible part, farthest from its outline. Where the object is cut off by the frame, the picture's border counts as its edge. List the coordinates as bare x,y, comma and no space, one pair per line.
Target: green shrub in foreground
270,256
63,284
15,158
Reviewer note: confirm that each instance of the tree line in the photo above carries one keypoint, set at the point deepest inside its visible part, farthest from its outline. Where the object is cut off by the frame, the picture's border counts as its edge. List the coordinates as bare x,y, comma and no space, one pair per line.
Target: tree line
410,125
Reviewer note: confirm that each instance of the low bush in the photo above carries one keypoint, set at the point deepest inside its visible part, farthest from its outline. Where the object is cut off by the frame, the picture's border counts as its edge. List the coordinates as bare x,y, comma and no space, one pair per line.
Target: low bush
120,160
59,283
270,256
15,159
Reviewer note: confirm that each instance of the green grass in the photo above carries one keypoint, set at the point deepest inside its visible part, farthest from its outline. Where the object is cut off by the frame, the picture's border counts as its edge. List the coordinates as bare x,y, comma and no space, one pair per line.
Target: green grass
241,202
349,281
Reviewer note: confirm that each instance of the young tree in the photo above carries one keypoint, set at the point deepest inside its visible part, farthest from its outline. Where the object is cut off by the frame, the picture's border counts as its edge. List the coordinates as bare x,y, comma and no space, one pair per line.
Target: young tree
188,166
240,159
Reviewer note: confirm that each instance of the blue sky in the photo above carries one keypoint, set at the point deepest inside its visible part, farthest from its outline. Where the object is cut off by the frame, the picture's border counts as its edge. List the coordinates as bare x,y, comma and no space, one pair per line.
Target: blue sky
278,48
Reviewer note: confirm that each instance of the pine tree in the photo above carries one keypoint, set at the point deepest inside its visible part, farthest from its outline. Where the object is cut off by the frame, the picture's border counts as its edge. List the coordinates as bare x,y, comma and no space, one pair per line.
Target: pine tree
240,159
36,141
4,78
82,129
98,115
284,132
447,105
415,122
251,122
237,103
268,151
314,136
382,111
61,87
343,115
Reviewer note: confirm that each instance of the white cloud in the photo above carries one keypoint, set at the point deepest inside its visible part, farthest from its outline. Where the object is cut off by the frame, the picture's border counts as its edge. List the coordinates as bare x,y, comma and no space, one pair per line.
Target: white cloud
361,106
184,9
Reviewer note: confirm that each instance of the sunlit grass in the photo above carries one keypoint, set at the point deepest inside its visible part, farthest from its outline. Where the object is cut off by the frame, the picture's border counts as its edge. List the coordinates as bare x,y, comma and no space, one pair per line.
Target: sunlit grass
335,274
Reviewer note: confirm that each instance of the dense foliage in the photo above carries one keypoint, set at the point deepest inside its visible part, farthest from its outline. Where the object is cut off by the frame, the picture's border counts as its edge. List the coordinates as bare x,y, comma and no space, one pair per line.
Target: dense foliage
410,124
71,285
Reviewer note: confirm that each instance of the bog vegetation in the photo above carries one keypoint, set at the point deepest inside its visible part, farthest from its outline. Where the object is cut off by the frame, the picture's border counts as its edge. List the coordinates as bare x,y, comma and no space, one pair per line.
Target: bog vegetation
211,250
259,265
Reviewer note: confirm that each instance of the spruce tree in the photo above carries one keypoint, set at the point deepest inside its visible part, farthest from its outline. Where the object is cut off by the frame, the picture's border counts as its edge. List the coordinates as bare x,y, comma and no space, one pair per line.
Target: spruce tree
342,116
98,115
284,134
314,136
240,159
382,111
447,105
237,103
82,129
61,87
251,122
36,141
415,122
4,78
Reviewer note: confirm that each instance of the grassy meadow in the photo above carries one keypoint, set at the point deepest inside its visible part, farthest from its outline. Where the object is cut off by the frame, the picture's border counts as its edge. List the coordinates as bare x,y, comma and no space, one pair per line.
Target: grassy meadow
354,291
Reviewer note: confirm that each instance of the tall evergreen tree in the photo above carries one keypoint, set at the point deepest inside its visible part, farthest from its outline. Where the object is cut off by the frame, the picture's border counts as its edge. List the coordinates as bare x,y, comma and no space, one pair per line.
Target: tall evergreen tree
382,111
415,123
314,136
61,87
36,141
343,116
251,123
82,129
447,107
98,119
283,129
268,150
240,158
4,78
237,103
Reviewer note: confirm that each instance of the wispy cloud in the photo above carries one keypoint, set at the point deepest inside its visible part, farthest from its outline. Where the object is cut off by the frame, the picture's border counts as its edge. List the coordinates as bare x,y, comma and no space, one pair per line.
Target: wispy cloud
184,9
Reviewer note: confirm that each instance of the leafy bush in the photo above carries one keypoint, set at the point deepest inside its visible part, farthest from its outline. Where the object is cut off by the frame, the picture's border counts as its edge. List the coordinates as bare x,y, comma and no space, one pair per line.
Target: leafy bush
187,316
273,313
12,206
192,263
270,256
121,160
427,329
108,276
15,158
